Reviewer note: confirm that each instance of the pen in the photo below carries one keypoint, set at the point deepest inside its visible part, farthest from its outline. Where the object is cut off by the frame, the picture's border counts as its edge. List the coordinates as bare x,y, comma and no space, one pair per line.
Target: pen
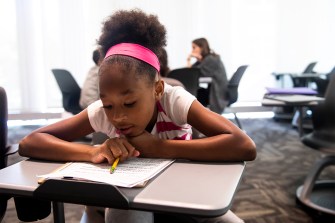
111,170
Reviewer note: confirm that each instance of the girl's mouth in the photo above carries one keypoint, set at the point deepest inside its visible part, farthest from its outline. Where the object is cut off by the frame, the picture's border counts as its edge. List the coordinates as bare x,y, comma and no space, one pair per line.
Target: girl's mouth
125,131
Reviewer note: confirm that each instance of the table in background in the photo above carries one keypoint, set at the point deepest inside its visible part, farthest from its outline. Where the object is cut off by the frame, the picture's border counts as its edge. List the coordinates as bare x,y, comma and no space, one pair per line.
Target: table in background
196,188
298,104
307,77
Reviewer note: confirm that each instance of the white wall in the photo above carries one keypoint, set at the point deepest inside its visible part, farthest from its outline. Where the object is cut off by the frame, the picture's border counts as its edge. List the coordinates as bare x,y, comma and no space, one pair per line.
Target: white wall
272,35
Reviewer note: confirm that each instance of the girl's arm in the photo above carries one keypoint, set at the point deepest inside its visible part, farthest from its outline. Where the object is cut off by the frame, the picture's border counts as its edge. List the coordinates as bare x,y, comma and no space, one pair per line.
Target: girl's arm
53,142
224,141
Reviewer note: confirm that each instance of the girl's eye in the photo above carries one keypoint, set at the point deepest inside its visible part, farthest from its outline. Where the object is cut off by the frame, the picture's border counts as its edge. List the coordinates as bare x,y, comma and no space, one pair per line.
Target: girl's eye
107,107
129,105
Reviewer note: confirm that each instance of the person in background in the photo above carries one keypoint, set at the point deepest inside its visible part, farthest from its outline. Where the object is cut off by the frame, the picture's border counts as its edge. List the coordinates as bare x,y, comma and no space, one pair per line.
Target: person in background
141,115
210,65
90,90
164,69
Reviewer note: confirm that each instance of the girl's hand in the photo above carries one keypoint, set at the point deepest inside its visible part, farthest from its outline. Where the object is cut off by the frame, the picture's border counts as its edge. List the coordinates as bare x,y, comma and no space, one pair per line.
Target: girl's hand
147,144
112,149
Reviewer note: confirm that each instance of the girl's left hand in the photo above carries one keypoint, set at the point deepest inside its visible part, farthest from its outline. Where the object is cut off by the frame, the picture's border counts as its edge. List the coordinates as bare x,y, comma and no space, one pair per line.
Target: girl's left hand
147,144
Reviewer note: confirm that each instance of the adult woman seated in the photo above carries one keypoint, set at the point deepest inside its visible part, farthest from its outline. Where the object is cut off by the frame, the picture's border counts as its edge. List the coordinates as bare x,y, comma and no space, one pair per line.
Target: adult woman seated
210,65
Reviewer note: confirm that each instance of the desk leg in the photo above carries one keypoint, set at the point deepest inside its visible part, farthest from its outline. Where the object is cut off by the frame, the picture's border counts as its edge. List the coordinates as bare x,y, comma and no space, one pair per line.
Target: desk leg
58,212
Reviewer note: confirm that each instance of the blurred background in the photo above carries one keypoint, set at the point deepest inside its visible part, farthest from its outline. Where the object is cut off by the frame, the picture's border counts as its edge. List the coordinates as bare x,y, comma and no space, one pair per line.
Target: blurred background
268,35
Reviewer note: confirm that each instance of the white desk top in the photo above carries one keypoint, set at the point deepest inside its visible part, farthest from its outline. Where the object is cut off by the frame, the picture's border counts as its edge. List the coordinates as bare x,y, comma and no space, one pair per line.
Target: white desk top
186,187
204,189
20,178
300,75
294,100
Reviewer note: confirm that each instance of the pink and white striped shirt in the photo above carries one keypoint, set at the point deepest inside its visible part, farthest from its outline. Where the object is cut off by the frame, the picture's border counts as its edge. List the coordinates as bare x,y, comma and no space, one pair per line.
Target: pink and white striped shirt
171,120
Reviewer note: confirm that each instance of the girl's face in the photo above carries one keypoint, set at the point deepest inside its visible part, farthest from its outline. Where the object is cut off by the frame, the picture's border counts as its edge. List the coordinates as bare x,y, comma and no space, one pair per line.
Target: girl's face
129,100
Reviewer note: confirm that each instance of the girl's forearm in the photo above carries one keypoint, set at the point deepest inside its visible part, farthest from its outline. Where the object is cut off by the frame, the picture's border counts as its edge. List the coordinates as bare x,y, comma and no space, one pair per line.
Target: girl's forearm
216,148
46,146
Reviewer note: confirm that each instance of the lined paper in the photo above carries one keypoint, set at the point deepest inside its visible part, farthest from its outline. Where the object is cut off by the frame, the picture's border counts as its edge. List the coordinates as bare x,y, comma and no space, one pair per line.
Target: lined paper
130,173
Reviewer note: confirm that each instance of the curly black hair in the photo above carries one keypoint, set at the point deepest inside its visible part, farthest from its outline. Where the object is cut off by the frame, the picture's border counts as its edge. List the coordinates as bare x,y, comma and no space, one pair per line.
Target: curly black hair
133,26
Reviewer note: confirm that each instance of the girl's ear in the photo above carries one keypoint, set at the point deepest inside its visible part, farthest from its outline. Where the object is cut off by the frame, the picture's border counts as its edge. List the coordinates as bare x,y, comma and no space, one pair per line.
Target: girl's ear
159,89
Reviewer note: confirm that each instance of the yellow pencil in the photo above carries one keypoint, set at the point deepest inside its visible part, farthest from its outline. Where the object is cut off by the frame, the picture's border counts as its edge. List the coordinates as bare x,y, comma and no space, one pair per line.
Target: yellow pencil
112,169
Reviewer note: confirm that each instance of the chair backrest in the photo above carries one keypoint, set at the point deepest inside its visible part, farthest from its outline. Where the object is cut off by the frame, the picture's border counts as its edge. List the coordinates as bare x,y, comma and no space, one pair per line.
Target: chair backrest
330,74
3,127
303,82
330,92
5,149
3,143
70,90
309,68
323,117
189,77
322,83
232,93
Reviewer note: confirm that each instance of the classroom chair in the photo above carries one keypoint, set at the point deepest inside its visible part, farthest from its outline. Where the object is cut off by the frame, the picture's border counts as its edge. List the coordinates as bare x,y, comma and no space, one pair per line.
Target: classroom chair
232,92
27,209
303,82
314,194
189,77
5,150
70,90
322,83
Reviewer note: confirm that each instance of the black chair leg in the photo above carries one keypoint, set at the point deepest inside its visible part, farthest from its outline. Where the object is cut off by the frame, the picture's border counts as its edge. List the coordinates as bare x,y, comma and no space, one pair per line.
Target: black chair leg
322,200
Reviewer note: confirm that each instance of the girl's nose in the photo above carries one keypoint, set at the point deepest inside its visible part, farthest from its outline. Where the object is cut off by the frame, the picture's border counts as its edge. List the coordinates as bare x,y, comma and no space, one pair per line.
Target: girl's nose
119,116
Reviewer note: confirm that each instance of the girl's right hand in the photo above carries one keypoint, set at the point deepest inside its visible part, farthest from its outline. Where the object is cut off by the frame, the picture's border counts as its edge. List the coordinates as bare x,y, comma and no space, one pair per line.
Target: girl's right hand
112,149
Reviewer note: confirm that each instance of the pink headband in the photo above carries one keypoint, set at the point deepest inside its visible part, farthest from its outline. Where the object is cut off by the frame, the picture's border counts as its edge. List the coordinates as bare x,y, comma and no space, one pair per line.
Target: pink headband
135,50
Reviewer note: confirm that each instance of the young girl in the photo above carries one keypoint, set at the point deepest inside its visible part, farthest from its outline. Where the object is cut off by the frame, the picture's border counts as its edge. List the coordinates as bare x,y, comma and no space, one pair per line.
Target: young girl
141,115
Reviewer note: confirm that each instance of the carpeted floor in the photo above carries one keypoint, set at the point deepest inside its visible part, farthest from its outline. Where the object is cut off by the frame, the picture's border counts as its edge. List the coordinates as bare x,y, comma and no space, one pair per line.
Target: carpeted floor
267,191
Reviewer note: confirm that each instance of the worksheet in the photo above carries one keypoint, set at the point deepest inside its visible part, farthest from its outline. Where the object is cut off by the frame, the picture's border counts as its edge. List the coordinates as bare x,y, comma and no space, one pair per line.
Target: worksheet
130,173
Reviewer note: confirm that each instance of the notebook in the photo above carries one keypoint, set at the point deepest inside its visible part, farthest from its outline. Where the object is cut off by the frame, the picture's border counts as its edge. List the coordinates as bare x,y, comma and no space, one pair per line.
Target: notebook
295,99
295,90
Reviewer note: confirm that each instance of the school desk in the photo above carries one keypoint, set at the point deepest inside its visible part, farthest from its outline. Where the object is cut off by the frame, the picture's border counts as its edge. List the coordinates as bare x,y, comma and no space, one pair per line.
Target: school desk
196,188
305,77
288,100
